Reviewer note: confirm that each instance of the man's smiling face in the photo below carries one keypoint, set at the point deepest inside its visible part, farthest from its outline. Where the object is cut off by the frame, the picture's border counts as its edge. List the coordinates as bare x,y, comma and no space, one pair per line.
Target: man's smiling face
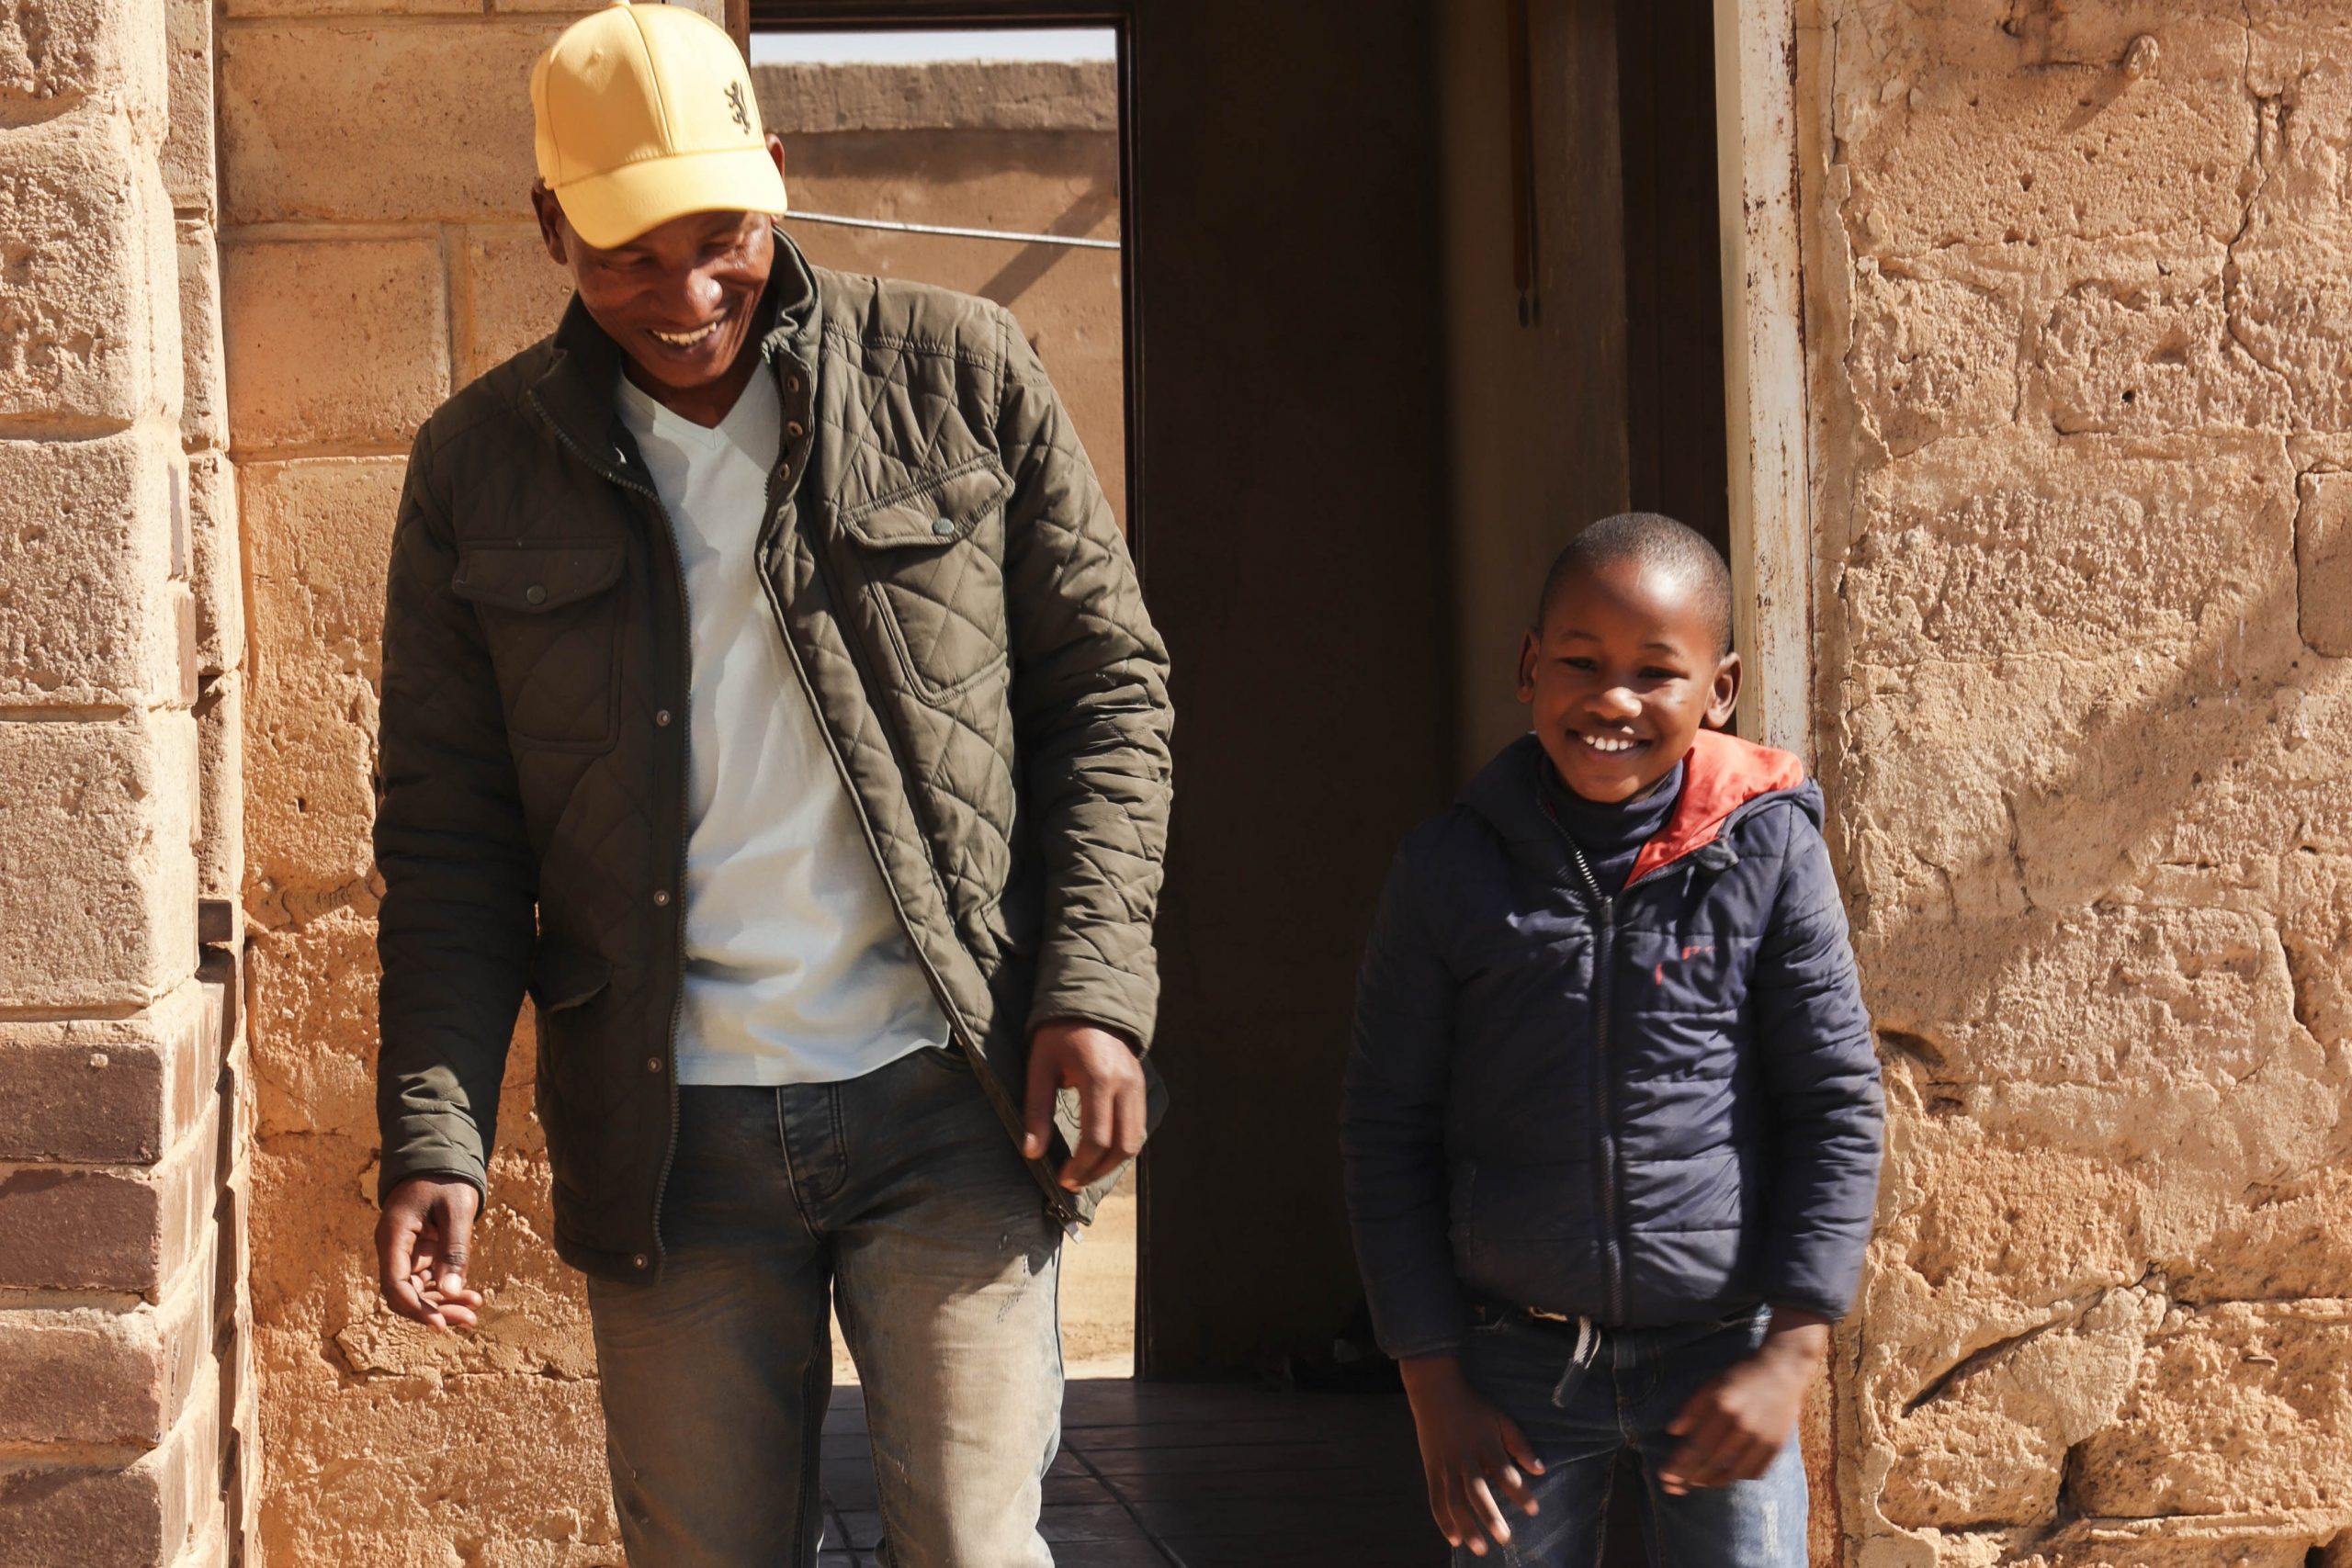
680,298
1627,668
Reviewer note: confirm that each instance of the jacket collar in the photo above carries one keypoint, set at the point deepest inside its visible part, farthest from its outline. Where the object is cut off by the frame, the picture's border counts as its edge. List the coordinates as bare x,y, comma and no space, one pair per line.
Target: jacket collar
575,392
1726,774
1723,776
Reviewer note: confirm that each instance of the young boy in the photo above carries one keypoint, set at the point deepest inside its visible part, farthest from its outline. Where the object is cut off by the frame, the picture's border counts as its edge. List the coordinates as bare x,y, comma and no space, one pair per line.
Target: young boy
1612,1109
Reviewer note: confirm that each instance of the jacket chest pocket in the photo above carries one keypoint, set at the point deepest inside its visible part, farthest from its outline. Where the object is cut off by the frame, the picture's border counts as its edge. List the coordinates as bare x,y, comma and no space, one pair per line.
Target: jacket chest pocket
553,621
1687,974
931,579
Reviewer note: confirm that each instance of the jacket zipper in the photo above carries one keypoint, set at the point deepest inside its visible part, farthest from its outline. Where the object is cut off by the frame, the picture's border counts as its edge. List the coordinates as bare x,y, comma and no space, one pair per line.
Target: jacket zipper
1605,954
1604,962
1064,1212
685,747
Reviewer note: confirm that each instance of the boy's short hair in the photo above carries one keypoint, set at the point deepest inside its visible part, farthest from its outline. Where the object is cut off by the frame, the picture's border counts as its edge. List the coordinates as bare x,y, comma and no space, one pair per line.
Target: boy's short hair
1655,542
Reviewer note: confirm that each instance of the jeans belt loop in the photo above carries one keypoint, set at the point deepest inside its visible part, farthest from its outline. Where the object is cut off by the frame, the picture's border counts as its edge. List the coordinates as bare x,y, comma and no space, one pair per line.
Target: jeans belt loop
1588,1342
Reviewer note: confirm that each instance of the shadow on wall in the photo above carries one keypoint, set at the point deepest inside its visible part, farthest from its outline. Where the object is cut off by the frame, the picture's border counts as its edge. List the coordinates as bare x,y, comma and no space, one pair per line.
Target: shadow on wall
2108,978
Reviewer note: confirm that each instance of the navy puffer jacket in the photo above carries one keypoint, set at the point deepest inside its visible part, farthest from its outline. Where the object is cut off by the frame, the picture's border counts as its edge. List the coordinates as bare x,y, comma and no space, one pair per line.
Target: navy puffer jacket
1644,1105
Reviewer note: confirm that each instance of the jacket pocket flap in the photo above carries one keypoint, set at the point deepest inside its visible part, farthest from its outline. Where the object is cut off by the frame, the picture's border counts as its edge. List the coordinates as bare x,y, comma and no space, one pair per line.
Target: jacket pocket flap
938,508
564,975
533,577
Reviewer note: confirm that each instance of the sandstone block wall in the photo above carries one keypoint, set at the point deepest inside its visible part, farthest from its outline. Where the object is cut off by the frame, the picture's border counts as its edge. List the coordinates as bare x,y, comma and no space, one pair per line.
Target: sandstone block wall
2078,320
127,1429
378,252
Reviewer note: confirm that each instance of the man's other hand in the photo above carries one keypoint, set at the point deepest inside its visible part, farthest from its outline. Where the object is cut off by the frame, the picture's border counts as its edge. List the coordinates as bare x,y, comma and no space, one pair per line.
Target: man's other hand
1108,1077
422,1244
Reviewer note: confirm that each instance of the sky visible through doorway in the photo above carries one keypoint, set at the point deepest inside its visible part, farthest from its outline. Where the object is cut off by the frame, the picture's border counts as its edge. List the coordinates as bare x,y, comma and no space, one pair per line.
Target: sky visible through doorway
891,46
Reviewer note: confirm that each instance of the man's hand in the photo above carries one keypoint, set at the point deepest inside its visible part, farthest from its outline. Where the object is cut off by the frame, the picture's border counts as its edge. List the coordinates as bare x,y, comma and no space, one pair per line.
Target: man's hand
1736,1426
423,1242
1108,1077
1470,1451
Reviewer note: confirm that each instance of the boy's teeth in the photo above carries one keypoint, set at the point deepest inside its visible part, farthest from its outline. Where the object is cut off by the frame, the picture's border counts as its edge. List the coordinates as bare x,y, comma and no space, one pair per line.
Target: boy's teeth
1607,743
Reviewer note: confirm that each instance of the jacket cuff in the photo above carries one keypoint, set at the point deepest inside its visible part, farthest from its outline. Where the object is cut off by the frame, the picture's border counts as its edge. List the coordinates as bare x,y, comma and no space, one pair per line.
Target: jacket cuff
426,1144
1407,1331
1776,1305
1807,1296
1415,1349
1084,991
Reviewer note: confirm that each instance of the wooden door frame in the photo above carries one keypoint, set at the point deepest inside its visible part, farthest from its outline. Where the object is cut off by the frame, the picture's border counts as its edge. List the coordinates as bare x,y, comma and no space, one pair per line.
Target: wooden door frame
1770,163
1768,416
1767,412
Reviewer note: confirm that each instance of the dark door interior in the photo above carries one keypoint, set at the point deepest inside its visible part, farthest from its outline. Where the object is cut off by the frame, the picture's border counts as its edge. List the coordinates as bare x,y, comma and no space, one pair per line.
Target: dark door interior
1290,494
1674,312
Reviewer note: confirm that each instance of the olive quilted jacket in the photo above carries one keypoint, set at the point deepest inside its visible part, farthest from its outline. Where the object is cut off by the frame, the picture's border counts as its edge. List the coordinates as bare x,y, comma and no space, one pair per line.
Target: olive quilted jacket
964,615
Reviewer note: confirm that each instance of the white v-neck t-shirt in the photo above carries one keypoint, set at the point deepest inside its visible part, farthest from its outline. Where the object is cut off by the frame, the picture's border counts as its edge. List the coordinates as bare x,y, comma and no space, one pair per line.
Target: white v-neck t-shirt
797,970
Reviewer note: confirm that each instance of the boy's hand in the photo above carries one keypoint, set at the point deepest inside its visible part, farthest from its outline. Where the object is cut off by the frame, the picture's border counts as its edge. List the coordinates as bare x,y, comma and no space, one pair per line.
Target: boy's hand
1733,1429
1470,1451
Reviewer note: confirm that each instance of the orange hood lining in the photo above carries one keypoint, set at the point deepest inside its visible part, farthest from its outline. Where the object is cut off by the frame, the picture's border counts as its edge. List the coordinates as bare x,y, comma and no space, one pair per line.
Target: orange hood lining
1722,774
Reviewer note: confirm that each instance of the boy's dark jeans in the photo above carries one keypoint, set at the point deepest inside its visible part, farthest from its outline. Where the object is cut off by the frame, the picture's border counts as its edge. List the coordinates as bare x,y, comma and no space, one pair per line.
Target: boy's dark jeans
1578,1421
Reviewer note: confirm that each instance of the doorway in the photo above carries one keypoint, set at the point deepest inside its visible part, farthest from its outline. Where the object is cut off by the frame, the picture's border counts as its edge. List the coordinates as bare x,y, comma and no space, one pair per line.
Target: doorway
986,160
1349,457
1347,460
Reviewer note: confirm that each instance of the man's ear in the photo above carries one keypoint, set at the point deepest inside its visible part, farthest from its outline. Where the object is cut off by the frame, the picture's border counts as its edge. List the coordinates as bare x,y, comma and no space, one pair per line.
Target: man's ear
550,214
1528,653
1725,695
776,150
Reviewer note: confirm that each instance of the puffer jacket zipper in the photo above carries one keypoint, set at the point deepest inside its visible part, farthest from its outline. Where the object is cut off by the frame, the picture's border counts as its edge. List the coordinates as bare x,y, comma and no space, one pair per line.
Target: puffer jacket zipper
686,745
1065,1213
1604,965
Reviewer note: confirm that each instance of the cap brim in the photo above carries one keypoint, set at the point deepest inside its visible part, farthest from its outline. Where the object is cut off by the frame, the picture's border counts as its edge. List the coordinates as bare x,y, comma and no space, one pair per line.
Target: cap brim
613,209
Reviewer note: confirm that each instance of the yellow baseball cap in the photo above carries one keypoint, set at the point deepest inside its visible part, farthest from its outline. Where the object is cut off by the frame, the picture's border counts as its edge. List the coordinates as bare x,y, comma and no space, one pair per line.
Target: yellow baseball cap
645,113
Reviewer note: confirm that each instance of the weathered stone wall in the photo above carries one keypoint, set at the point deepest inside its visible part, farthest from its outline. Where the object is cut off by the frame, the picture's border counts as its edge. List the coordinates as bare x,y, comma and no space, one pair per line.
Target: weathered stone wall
2079,318
126,1402
378,252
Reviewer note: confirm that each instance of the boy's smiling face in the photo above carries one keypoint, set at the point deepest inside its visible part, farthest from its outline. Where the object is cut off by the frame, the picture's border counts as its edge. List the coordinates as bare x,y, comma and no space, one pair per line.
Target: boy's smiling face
1627,668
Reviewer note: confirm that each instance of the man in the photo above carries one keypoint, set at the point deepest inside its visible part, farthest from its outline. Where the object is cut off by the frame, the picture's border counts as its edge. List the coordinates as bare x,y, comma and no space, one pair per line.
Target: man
766,688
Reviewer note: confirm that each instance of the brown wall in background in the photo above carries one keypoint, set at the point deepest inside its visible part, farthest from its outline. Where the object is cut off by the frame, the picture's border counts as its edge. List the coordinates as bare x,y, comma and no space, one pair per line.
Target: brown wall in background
126,1405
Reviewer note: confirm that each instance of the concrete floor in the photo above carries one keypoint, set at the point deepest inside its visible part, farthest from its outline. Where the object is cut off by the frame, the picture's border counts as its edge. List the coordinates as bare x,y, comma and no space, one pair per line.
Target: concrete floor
1177,1475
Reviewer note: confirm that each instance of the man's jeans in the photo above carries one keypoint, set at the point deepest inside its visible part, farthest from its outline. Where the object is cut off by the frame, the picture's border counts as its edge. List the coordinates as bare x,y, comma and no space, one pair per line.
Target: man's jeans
1579,1421
897,1198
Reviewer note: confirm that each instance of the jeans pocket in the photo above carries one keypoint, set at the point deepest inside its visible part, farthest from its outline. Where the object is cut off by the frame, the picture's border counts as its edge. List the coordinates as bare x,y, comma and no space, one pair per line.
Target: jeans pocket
947,1059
